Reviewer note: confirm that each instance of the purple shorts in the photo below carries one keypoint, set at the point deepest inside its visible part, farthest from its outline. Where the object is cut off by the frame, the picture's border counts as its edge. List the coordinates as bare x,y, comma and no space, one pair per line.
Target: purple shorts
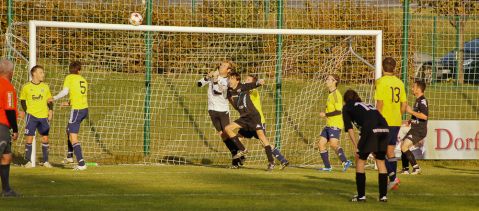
76,117
33,123
331,132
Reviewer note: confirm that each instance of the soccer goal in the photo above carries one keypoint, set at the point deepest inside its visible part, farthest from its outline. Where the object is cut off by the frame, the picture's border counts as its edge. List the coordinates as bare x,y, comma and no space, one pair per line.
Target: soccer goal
145,106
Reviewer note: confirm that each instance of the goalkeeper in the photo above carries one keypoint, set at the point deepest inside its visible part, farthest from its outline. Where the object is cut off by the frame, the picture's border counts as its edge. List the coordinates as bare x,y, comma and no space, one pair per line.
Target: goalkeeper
218,108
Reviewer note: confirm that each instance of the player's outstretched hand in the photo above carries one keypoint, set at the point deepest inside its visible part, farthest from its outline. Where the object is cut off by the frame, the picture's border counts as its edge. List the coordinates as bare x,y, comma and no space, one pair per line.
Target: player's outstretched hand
14,136
261,81
216,74
21,114
210,74
50,115
409,109
322,114
65,104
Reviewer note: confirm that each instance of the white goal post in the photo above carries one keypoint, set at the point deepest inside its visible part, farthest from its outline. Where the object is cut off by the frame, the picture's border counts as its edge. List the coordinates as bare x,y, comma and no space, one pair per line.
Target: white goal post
34,25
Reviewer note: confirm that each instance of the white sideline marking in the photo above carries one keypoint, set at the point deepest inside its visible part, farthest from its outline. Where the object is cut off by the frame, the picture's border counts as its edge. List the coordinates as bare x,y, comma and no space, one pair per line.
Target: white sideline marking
235,194
233,171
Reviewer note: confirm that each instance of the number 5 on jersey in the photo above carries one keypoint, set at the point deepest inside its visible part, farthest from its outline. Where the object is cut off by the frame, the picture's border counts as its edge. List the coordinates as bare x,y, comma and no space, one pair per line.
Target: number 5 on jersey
82,87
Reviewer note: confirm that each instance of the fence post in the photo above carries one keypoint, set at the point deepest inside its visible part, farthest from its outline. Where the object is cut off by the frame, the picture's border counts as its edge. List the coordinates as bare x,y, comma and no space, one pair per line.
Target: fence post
193,5
147,114
405,43
434,46
9,24
279,69
458,49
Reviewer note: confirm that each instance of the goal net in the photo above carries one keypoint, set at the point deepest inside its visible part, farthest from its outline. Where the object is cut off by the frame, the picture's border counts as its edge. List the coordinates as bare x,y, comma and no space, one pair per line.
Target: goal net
145,106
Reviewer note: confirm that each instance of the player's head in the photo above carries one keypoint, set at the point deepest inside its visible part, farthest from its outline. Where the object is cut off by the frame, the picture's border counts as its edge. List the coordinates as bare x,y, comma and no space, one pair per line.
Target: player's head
226,67
251,78
37,72
351,96
6,69
389,64
418,87
234,79
332,81
75,67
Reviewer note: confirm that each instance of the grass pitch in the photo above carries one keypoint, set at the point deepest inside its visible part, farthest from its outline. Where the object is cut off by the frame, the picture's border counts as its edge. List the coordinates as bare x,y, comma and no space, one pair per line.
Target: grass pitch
446,186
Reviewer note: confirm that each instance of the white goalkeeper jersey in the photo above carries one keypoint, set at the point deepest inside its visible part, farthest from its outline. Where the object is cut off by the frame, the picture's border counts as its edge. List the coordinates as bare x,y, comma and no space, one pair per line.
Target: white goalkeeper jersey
216,93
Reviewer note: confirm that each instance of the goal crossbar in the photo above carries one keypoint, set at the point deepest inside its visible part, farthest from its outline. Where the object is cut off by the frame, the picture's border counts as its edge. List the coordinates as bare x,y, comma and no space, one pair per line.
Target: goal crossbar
33,24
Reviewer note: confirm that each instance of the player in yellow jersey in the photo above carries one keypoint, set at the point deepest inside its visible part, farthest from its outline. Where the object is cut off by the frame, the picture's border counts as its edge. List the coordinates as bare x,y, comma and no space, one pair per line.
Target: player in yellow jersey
77,87
334,125
34,100
391,102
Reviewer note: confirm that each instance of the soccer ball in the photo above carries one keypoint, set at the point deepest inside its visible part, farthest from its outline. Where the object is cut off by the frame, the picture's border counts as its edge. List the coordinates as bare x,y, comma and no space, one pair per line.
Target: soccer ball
135,19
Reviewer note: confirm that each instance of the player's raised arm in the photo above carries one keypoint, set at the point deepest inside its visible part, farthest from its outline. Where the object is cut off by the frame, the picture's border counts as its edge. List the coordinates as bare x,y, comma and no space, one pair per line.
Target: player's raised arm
203,81
253,85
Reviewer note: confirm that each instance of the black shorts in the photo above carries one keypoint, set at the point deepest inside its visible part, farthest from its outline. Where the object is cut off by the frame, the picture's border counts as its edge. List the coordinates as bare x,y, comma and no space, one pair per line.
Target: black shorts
250,134
393,135
415,135
377,155
220,119
375,140
5,140
250,122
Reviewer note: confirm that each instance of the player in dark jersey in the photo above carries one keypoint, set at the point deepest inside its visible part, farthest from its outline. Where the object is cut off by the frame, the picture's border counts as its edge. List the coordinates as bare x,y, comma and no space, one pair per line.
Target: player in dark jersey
418,131
250,119
374,134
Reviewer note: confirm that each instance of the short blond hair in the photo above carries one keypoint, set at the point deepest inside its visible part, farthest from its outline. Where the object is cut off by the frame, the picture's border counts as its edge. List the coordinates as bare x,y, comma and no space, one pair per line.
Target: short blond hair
232,65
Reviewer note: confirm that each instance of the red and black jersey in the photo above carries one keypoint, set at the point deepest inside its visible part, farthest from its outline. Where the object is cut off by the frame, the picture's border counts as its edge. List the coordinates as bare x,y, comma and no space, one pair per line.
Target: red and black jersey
8,100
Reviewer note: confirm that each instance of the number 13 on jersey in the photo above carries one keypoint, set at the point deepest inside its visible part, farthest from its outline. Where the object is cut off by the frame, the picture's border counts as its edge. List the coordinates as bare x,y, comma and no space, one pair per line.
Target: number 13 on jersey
395,94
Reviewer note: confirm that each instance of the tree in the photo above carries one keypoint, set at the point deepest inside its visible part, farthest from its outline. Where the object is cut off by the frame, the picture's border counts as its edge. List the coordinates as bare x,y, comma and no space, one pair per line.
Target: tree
458,11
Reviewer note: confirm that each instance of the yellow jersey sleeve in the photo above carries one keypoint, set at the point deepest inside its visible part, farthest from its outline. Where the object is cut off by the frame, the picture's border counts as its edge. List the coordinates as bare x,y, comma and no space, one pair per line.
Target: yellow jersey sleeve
48,93
23,92
66,83
255,98
379,94
402,96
